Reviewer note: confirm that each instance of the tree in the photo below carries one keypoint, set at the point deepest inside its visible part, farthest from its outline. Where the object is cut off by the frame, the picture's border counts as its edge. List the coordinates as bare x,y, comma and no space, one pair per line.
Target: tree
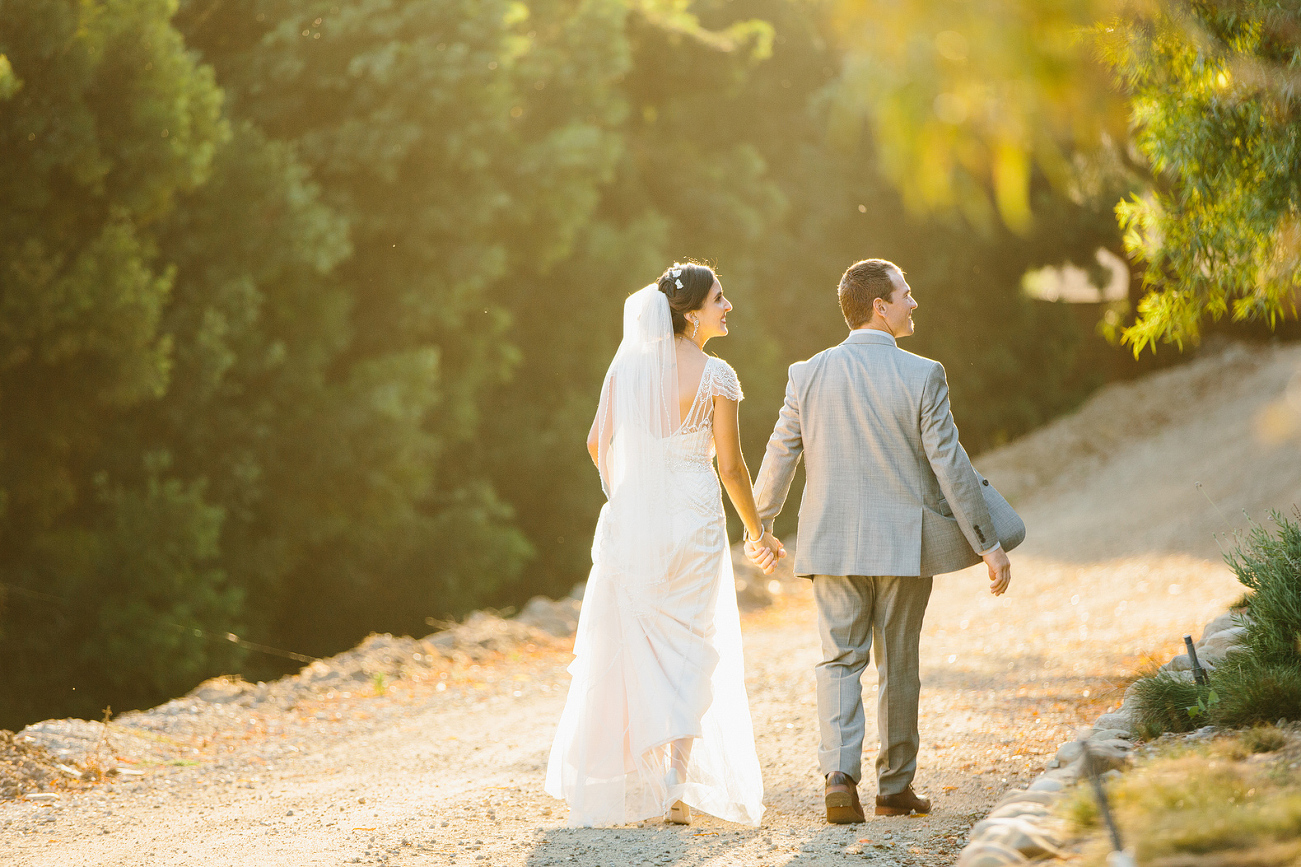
462,144
968,101
105,552
1217,116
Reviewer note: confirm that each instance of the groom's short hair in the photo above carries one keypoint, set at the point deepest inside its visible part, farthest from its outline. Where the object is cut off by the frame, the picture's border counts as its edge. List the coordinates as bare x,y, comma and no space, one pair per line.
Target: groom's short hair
863,283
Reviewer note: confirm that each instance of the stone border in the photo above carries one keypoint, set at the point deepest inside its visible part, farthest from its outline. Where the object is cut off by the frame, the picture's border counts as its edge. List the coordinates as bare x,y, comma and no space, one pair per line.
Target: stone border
1022,827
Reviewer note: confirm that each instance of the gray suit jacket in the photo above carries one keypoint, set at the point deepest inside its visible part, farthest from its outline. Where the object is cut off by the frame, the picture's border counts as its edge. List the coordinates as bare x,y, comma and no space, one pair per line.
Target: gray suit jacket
889,489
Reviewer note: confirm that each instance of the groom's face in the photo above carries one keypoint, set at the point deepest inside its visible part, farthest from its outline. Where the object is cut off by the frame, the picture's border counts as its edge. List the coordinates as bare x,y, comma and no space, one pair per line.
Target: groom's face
898,311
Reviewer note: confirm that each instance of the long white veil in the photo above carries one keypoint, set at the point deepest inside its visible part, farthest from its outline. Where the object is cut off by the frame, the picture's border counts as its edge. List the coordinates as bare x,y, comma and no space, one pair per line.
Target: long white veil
638,413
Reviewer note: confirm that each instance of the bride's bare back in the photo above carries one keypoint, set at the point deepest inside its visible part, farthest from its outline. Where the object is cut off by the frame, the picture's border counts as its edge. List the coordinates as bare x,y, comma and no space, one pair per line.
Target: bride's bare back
691,368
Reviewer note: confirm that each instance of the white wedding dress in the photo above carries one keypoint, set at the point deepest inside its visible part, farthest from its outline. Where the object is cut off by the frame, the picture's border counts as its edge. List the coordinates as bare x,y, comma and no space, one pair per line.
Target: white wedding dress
658,652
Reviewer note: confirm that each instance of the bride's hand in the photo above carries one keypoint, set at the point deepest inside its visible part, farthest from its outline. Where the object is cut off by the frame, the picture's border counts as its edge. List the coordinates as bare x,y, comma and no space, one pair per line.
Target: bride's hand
765,552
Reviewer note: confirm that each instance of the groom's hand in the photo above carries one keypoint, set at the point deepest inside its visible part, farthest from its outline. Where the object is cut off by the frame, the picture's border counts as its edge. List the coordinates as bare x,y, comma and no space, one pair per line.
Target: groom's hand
1000,570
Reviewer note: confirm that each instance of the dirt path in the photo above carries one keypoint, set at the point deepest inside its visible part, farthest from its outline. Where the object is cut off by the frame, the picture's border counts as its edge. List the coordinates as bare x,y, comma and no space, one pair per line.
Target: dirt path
447,768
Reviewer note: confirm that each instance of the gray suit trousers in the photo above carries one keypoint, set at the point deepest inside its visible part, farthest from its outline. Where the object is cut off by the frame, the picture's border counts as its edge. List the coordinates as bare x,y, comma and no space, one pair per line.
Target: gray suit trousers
854,611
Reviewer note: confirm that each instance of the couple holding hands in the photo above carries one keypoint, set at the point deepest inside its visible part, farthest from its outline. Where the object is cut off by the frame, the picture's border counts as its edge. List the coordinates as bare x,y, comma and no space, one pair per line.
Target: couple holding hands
657,721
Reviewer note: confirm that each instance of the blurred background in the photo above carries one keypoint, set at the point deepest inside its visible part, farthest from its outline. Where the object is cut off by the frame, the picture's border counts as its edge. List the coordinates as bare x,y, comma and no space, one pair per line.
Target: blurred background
305,304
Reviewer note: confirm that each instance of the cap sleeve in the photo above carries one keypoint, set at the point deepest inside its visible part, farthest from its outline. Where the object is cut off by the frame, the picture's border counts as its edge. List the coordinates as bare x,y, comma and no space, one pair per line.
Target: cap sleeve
723,380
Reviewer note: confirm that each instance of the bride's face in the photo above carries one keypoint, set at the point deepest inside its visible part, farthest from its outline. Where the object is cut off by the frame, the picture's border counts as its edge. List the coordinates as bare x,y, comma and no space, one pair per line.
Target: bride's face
712,315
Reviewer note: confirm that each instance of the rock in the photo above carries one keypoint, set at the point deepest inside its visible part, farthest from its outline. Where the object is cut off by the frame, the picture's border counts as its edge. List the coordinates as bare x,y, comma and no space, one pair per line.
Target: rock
1106,734
1047,784
1068,752
1066,775
1107,755
1033,840
554,617
1177,675
984,854
1020,809
1222,642
1179,663
1022,796
1115,721
1227,620
224,690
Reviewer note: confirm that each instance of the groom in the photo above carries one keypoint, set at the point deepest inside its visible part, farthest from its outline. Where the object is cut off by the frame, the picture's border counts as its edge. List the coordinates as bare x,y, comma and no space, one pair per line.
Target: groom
885,477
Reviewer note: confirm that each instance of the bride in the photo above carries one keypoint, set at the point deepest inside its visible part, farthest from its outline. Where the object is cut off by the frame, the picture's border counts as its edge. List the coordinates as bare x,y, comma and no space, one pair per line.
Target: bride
657,720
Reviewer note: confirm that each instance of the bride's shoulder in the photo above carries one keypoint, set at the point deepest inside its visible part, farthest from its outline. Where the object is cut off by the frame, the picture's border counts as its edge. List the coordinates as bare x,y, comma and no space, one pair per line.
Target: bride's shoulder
725,381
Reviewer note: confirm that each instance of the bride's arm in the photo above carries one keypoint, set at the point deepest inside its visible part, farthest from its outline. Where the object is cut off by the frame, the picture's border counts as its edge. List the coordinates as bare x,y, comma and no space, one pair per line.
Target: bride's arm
734,473
593,443
601,423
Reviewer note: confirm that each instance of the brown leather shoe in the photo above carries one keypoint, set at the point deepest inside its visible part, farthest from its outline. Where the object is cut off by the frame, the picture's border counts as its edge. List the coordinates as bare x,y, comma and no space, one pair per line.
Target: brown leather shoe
843,807
902,804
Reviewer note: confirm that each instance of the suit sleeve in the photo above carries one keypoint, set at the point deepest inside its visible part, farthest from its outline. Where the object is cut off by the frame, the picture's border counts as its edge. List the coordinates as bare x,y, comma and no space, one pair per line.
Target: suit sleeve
952,467
782,456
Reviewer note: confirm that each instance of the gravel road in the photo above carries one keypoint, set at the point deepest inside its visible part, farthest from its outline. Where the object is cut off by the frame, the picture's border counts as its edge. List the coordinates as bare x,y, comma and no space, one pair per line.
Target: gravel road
445,765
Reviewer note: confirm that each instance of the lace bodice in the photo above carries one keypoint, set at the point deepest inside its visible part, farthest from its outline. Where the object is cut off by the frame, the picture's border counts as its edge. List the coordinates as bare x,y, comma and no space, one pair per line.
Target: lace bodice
693,444
718,380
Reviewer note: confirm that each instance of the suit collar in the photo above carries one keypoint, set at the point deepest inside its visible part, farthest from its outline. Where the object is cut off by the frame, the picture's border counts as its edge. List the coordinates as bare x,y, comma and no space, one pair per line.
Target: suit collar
871,335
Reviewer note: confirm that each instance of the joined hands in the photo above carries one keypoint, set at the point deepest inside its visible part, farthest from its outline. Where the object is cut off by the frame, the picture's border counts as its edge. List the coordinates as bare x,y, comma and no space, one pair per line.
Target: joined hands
765,551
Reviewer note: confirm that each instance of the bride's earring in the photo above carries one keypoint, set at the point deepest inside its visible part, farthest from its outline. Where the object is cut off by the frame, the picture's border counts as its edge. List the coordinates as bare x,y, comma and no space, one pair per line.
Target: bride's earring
695,326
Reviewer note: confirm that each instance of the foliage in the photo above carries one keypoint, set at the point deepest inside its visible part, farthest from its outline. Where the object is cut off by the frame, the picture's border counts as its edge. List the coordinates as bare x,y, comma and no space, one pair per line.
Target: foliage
1261,681
1254,691
1264,738
110,555
444,135
1162,703
1217,116
1209,805
969,101
1269,565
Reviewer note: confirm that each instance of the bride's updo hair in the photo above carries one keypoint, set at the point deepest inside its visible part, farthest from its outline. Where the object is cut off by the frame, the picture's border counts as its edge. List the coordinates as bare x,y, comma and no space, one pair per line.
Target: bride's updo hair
687,285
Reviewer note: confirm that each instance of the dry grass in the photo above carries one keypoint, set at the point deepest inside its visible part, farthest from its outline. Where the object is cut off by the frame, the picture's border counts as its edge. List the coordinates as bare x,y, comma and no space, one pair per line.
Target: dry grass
1225,803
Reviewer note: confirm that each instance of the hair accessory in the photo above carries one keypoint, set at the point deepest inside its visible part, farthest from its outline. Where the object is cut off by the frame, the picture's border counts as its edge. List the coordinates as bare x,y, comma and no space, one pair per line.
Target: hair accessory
677,283
676,272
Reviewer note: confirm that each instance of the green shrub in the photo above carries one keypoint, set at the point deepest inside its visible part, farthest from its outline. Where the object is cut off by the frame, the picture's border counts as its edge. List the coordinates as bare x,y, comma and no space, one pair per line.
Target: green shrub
1269,565
1243,602
1253,690
1264,739
1163,701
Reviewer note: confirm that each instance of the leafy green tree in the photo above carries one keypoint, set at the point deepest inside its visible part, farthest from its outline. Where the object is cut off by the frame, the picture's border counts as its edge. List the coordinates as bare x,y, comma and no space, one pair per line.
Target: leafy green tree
969,101
463,145
108,558
1217,117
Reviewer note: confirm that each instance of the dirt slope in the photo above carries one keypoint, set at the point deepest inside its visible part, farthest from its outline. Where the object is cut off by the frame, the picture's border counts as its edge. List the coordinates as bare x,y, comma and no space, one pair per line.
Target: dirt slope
446,765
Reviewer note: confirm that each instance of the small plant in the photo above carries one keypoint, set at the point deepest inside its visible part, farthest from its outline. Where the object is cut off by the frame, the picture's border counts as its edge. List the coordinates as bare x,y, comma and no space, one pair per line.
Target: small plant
1164,703
1202,710
1202,809
1242,603
1254,691
1263,739
379,682
1080,808
1269,565
97,765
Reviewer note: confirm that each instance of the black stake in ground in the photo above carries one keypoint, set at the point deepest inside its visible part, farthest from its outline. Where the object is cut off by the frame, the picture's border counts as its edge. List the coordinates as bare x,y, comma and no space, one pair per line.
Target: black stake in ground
1199,673
1091,767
